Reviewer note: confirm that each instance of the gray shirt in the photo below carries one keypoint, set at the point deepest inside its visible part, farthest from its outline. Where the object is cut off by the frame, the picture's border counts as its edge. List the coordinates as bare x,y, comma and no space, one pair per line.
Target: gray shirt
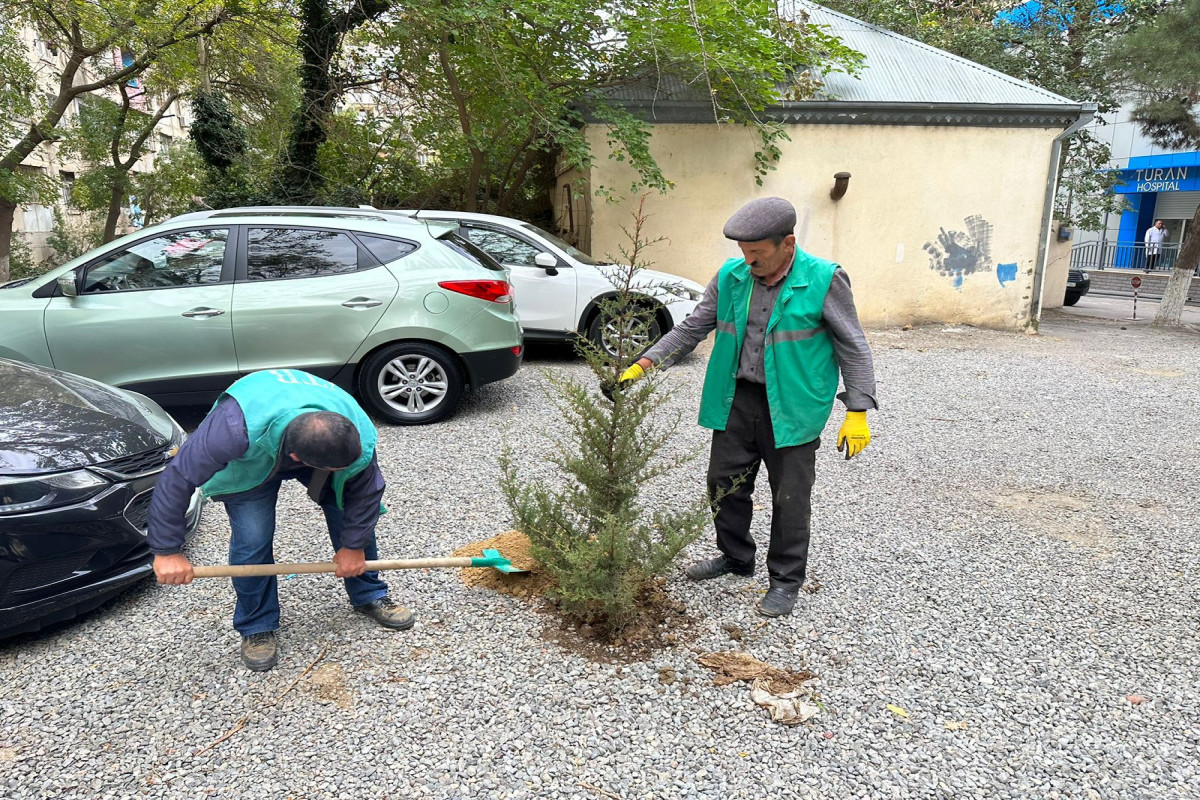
838,315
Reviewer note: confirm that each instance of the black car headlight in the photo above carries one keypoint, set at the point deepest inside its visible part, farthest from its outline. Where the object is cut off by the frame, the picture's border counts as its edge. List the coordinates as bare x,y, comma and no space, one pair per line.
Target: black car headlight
20,494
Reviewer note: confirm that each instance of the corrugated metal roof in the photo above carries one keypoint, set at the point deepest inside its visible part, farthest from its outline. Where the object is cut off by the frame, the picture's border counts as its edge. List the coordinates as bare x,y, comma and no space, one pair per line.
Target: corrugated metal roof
897,69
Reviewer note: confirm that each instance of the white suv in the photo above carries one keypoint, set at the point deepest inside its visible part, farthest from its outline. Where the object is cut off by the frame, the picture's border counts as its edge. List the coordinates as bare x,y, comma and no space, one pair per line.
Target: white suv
557,288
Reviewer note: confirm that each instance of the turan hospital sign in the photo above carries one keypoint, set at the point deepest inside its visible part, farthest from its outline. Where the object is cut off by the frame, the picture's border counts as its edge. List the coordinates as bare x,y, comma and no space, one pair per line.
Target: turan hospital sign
1159,179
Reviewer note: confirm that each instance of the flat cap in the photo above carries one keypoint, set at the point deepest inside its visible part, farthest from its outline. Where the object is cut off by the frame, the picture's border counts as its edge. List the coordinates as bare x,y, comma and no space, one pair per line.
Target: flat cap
761,219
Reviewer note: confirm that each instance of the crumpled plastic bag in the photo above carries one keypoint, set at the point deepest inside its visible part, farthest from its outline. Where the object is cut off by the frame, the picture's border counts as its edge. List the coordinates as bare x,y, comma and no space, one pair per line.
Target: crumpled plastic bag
792,708
787,695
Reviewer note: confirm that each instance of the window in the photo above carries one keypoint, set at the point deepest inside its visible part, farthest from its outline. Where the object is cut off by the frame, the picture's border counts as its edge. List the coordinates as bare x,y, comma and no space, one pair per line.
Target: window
573,251
503,247
68,184
274,253
386,250
469,251
181,258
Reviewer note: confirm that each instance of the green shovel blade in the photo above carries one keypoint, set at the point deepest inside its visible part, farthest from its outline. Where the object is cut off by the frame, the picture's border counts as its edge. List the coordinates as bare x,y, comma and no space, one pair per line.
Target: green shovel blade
492,558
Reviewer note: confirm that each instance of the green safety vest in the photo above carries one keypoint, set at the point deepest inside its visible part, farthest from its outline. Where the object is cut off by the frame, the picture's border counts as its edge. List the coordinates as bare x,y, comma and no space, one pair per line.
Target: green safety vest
269,401
800,365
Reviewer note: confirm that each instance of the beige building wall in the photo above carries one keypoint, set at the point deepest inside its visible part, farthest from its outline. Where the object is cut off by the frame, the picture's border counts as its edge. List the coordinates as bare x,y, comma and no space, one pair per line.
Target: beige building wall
939,224
1058,261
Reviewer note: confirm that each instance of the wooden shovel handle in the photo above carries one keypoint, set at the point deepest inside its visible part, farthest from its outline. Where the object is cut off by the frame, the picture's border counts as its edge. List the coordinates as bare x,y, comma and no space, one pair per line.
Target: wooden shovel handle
261,570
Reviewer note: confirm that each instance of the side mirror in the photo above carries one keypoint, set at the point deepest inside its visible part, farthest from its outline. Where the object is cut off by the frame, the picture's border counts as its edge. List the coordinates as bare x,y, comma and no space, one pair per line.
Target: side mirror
66,283
545,260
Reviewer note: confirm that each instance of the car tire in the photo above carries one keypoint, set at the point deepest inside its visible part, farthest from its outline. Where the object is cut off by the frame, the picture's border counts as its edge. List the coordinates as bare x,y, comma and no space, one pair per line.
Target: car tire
1071,299
601,332
411,383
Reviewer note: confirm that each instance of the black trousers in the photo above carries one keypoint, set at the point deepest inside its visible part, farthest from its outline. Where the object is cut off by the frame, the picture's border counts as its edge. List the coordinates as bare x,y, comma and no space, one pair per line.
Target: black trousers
747,442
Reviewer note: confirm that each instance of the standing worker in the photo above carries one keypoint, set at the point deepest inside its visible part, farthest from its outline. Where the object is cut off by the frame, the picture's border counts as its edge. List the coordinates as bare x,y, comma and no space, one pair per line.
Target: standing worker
267,428
1154,241
785,323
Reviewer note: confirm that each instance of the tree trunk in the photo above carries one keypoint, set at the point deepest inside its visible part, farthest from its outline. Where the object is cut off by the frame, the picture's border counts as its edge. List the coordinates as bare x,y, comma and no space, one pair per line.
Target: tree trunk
1175,295
114,211
472,199
8,211
321,33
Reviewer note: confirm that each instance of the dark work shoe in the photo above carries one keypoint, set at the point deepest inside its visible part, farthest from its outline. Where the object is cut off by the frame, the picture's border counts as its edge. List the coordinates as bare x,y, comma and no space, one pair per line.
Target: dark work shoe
716,567
260,652
778,602
388,613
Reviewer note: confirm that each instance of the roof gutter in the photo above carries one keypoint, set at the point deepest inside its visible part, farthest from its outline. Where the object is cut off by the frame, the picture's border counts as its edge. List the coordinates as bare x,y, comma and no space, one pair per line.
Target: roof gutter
1086,112
679,109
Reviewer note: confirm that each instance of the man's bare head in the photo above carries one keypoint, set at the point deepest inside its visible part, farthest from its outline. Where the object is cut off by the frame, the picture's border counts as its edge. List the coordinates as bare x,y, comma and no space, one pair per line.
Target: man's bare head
322,439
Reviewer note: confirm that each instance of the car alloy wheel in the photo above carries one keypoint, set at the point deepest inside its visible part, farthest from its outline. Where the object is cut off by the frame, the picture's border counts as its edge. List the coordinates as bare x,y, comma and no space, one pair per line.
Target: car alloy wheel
606,333
412,383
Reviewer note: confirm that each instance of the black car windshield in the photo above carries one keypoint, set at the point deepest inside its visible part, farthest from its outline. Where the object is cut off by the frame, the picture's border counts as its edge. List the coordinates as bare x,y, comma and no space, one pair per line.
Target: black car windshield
571,250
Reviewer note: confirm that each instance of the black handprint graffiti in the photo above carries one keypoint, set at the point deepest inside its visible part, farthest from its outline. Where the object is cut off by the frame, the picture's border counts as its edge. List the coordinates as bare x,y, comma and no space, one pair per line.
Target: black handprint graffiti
960,253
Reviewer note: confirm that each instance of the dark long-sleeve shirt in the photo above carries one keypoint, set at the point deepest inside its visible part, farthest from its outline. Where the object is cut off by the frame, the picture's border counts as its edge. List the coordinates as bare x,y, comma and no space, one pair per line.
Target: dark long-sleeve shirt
222,438
838,315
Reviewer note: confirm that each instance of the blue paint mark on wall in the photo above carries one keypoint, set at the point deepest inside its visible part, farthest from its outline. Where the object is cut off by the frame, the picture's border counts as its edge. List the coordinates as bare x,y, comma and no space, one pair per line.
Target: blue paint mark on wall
1006,273
957,254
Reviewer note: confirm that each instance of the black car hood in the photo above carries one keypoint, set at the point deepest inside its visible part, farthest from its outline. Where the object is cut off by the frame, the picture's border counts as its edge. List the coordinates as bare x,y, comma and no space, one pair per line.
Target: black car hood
52,421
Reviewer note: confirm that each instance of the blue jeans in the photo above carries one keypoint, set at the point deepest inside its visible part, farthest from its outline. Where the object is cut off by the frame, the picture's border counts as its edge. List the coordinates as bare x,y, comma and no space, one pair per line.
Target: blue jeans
252,520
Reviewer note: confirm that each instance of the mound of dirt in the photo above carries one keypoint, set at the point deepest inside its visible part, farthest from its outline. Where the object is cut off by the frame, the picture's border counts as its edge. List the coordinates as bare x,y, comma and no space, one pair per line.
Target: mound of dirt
514,546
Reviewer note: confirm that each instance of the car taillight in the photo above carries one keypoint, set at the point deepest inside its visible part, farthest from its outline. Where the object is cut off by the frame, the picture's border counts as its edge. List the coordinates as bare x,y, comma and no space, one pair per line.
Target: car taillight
492,291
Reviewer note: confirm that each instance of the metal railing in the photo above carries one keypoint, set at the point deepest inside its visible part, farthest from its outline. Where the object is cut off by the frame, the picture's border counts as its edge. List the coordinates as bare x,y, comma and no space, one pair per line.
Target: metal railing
1110,255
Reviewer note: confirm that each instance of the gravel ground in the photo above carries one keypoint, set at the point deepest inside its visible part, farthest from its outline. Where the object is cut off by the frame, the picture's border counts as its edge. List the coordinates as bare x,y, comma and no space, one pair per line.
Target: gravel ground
1016,552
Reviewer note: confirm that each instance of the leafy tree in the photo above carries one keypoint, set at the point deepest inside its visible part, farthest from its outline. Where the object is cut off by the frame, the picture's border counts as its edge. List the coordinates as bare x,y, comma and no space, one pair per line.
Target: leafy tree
21,261
322,30
1159,66
18,88
173,186
112,137
71,239
87,35
495,88
219,139
1059,45
222,143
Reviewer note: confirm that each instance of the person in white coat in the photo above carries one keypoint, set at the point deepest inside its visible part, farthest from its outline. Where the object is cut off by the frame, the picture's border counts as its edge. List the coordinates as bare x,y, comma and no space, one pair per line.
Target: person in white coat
1154,240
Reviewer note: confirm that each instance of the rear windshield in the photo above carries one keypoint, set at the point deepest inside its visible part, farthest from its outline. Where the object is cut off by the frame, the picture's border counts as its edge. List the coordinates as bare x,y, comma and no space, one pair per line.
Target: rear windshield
471,251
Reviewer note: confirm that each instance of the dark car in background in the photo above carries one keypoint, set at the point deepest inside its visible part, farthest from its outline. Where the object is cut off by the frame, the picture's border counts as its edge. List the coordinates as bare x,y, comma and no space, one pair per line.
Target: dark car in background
1078,283
78,463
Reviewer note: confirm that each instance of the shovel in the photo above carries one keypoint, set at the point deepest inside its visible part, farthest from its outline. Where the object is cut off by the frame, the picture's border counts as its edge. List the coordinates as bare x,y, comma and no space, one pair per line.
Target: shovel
491,558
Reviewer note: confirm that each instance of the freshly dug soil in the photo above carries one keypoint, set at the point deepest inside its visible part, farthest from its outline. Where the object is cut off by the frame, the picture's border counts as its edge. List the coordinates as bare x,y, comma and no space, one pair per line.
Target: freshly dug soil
514,546
661,621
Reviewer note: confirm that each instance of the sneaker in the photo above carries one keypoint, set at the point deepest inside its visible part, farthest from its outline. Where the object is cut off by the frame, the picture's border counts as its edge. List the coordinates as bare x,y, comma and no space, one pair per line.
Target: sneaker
260,651
716,567
779,602
388,613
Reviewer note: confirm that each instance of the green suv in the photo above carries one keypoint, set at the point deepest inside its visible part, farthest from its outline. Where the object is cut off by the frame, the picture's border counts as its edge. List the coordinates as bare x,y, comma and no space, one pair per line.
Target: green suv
406,314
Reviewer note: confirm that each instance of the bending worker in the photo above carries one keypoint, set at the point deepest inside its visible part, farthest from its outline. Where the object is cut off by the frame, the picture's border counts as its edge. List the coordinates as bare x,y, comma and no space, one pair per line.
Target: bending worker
785,323
267,428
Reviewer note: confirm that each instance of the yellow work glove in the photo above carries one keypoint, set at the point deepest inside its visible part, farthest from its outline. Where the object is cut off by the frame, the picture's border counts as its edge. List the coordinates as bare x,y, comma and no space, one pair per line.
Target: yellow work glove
630,375
633,373
855,434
